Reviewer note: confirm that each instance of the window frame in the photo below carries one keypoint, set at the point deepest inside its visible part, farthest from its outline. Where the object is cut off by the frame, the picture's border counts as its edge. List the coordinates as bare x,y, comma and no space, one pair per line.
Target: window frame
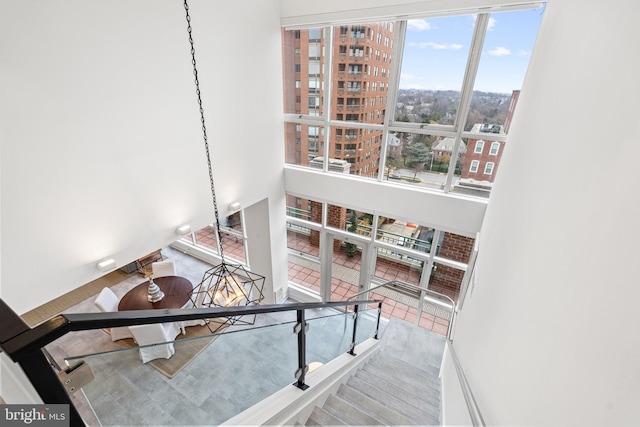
390,124
490,166
495,144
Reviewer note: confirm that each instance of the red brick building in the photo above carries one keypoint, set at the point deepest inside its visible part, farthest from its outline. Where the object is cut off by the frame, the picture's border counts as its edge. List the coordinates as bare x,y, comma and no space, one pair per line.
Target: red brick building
360,80
483,155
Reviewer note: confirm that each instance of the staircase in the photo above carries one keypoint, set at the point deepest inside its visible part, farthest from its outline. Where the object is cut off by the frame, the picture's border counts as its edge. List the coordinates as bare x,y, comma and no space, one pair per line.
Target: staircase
397,386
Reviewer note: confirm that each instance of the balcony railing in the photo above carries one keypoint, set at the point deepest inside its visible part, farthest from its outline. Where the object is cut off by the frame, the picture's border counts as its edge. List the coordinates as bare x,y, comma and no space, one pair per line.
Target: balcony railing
299,213
312,324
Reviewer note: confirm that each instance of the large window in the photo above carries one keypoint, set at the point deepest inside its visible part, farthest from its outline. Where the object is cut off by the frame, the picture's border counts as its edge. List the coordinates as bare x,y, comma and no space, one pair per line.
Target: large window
232,238
446,82
398,250
424,102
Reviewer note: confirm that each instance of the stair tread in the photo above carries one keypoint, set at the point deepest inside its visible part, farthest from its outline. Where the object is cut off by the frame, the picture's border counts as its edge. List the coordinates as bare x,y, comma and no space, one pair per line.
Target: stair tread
425,371
348,413
369,405
320,417
418,386
399,385
403,391
425,415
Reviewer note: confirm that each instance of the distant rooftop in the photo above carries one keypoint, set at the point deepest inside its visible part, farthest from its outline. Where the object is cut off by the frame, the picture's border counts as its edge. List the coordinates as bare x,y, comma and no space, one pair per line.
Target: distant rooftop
393,141
488,128
446,144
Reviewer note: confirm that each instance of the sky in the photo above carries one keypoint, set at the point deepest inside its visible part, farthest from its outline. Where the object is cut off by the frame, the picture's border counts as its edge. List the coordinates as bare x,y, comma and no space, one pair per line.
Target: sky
436,51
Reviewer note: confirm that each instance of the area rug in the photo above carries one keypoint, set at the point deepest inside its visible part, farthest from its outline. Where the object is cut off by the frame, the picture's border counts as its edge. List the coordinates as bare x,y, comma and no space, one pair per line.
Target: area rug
187,348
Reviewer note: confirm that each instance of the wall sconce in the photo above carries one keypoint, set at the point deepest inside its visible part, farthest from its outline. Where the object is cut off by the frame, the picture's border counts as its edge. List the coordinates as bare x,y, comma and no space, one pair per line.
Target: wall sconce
107,264
235,207
183,229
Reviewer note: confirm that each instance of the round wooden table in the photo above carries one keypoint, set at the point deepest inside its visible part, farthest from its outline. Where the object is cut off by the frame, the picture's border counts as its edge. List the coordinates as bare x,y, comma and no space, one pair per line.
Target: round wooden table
176,294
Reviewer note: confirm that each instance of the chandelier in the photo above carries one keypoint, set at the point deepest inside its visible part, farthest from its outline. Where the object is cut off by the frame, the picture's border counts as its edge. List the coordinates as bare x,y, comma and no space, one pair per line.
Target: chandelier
226,284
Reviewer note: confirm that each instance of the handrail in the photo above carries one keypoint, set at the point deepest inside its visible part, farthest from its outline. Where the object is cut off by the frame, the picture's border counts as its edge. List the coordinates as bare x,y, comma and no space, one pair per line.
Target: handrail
398,284
472,405
32,339
25,345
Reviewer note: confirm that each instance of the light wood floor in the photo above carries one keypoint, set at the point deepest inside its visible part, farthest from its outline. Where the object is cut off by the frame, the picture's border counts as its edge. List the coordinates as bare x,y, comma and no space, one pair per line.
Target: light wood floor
63,302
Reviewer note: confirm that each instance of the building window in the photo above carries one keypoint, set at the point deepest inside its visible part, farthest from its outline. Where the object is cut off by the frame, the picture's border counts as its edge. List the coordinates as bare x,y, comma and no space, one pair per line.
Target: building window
315,34
488,169
420,113
314,131
474,166
314,101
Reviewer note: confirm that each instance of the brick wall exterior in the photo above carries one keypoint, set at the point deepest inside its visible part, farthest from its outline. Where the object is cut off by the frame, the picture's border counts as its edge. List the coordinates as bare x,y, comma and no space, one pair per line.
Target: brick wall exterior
457,248
484,157
336,217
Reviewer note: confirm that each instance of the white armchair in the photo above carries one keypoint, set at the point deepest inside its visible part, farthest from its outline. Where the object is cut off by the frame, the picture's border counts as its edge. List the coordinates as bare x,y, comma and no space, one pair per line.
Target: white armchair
157,333
164,268
108,301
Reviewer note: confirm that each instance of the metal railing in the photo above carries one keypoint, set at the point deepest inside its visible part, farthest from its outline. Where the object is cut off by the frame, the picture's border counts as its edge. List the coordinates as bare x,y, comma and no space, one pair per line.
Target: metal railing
472,406
416,292
25,345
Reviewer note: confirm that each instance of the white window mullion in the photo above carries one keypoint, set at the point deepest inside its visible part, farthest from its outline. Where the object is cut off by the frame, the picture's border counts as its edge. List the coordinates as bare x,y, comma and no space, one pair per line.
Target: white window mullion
392,92
482,21
328,68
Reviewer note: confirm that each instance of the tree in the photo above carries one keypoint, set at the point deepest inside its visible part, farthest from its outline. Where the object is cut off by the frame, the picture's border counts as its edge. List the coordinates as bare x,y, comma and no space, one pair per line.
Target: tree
417,155
352,248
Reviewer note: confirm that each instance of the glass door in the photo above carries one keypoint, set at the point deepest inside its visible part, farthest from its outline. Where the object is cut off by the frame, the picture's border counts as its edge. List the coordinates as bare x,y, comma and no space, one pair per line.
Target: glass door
349,256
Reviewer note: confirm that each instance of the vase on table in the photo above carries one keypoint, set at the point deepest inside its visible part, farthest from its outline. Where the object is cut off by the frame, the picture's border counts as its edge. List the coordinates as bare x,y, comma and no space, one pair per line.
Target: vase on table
154,294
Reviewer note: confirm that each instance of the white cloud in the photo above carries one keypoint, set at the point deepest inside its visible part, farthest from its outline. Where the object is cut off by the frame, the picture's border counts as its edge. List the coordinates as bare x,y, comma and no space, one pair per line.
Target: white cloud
490,24
405,76
500,51
434,45
418,24
524,53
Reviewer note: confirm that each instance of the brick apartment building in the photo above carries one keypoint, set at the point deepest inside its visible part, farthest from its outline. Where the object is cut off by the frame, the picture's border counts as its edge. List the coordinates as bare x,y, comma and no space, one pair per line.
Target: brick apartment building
361,59
483,155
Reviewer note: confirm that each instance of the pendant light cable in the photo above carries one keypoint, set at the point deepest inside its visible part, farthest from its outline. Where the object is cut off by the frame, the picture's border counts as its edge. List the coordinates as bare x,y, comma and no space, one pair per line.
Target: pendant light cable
204,130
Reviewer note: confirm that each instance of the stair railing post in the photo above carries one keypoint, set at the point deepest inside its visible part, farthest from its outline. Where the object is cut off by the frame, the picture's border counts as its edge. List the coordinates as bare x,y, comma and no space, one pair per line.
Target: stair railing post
300,329
36,366
378,320
355,330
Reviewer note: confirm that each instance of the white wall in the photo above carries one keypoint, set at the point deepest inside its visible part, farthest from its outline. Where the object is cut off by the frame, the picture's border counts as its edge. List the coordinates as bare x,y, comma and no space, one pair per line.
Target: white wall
429,208
550,333
102,152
